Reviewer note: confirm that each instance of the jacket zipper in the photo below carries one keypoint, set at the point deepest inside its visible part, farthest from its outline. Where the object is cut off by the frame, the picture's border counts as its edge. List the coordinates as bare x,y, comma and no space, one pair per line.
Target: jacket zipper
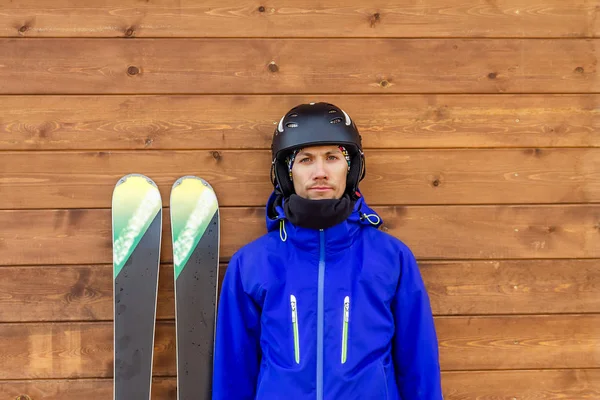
293,303
320,316
345,329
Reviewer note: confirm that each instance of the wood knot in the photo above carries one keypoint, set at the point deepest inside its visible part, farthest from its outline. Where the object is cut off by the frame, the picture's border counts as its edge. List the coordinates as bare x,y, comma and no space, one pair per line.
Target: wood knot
129,32
23,29
273,67
492,75
551,229
23,397
384,83
261,9
436,182
148,142
375,19
133,70
216,155
579,70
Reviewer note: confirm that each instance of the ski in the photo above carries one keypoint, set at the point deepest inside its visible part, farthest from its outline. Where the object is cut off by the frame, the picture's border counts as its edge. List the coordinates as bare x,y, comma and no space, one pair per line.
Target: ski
136,227
195,234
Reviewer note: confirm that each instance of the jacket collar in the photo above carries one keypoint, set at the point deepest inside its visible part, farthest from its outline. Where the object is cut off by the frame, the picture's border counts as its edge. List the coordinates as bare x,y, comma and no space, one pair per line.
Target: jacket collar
337,237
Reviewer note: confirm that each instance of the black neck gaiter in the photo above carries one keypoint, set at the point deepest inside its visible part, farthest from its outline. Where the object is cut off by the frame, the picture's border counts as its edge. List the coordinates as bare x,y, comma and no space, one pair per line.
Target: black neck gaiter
317,214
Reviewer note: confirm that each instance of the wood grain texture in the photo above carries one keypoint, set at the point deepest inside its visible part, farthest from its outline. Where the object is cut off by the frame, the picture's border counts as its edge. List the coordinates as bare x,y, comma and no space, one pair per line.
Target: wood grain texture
73,350
89,389
78,293
512,286
83,236
306,18
247,122
529,342
225,66
87,179
59,293
78,350
573,384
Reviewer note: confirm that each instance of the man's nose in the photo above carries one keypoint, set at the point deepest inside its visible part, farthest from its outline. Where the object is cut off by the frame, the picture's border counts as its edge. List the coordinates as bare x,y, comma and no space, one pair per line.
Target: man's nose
320,171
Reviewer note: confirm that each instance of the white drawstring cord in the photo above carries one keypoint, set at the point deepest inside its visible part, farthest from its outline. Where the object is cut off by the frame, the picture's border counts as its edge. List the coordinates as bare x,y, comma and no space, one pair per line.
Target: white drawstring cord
282,231
367,216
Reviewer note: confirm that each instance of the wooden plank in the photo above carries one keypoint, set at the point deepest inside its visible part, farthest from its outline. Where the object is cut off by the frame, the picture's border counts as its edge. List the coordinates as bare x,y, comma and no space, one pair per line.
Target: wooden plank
226,66
78,350
71,293
77,293
207,122
83,236
572,384
576,384
73,350
90,389
87,179
512,286
57,293
351,18
527,342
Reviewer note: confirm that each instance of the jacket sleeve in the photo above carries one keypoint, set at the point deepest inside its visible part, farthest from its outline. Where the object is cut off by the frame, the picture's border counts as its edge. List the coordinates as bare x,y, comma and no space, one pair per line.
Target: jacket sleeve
415,345
236,359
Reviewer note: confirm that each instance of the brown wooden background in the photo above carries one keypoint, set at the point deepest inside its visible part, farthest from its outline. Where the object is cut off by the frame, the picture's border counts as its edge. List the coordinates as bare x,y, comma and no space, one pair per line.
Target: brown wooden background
481,122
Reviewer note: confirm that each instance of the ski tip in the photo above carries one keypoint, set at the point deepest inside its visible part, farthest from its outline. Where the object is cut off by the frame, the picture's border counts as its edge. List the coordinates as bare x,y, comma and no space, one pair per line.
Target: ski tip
124,179
205,183
128,185
183,178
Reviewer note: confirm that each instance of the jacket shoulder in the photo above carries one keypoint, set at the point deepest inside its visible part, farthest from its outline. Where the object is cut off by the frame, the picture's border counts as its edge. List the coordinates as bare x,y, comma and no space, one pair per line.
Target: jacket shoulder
249,262
255,247
253,254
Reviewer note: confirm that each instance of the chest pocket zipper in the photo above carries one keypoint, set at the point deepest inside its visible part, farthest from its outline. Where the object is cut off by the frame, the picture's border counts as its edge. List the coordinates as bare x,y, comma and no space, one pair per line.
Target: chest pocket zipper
345,329
294,306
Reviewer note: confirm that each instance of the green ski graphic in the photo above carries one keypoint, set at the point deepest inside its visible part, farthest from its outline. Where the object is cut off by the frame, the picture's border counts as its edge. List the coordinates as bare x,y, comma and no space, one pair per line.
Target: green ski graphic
136,202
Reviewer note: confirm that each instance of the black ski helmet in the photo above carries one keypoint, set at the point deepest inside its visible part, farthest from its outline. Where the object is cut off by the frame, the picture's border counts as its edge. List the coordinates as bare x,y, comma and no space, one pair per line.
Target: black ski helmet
315,124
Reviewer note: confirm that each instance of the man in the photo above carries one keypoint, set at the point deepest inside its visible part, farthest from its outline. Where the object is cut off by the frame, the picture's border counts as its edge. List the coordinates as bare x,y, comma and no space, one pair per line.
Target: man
324,306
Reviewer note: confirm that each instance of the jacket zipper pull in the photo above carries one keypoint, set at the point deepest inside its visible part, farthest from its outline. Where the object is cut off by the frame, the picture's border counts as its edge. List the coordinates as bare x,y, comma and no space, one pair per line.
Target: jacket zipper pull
293,305
345,329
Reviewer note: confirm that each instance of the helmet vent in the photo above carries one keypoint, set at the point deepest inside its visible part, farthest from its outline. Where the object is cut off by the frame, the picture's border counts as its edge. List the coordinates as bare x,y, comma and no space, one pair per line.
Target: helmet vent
294,115
337,120
291,125
332,111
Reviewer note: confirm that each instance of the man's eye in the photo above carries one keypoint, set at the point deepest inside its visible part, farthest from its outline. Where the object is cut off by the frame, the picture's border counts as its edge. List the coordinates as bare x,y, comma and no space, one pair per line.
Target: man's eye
333,157
304,159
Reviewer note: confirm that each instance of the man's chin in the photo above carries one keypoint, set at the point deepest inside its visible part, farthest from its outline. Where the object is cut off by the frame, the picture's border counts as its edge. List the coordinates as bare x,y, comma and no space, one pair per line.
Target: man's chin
322,196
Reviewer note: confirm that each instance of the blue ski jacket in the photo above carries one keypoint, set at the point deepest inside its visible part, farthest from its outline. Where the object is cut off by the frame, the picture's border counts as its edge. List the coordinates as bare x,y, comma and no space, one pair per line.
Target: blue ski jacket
340,313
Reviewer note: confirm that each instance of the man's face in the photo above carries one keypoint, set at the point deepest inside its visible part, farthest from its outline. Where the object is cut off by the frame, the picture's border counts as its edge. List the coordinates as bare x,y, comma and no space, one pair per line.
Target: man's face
319,172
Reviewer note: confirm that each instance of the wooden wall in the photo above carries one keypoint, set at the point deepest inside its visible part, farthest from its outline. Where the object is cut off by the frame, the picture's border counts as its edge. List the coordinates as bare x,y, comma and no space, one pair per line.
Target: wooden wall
481,122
